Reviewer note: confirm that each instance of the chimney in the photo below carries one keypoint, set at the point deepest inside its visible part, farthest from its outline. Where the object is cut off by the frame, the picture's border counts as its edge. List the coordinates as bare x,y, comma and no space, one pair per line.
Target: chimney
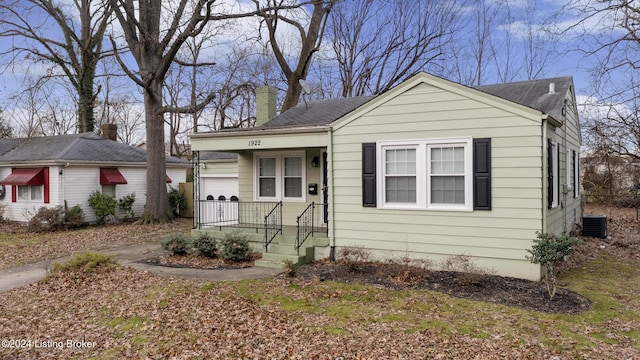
265,104
552,88
110,131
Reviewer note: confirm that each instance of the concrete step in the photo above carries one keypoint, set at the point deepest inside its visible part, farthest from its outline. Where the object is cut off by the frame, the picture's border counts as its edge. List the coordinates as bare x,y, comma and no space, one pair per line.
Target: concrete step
276,261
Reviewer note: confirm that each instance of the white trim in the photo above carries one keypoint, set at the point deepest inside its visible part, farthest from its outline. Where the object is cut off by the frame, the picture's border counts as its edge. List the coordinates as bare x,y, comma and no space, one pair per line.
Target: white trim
279,156
423,169
576,173
555,170
219,175
567,168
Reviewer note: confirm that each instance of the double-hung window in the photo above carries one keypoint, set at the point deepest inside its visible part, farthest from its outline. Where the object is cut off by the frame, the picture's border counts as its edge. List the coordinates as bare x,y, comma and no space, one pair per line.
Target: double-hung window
432,174
280,176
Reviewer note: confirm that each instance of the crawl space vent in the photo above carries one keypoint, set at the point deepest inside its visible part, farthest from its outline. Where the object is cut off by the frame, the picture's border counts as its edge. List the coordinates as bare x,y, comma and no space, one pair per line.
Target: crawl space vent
594,226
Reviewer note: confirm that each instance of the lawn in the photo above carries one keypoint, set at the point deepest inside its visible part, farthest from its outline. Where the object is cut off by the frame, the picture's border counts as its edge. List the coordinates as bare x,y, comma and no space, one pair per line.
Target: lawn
119,312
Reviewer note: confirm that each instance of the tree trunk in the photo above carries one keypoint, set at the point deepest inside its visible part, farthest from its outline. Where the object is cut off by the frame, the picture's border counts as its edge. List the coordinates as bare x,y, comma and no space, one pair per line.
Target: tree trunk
157,208
86,117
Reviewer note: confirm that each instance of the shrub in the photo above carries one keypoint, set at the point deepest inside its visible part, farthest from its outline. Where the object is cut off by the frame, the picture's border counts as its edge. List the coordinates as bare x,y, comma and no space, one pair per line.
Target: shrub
205,245
355,257
85,262
74,216
103,205
177,244
47,219
126,205
469,272
177,201
235,247
548,251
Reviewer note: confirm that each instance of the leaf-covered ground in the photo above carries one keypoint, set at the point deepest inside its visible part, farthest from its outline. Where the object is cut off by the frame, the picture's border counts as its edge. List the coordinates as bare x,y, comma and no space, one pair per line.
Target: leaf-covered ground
17,246
140,315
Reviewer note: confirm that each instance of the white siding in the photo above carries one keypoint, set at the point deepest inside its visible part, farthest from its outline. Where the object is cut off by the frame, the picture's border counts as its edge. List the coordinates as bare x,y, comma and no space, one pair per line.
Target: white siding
23,210
497,238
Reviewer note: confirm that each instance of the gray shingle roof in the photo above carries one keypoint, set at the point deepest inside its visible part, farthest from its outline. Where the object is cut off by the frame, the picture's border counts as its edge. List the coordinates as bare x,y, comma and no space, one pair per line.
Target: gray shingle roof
534,94
217,155
85,147
315,113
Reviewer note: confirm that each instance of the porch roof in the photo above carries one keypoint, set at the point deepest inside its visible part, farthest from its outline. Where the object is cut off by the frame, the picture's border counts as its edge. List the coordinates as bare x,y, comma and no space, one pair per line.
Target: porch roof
261,139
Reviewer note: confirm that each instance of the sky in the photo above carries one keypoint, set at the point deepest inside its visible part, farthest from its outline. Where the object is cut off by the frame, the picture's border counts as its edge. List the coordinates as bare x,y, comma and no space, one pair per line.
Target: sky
516,24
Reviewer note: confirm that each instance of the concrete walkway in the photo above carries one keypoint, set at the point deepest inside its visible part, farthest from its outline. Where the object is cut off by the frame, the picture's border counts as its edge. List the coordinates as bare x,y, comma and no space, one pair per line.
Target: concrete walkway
129,255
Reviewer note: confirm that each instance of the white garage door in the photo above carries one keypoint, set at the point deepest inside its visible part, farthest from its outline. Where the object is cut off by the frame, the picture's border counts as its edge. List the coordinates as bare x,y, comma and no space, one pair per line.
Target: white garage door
217,186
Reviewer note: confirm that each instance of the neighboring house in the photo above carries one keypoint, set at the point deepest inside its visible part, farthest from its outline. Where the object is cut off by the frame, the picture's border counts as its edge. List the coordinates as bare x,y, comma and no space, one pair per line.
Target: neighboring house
428,169
54,170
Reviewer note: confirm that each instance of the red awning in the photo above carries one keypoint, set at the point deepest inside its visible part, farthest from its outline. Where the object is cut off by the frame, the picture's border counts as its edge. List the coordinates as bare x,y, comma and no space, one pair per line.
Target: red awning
111,176
31,176
168,178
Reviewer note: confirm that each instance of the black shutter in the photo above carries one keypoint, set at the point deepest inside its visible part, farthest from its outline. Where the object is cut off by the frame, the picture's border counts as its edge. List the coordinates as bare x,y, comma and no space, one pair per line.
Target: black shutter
369,175
482,174
550,179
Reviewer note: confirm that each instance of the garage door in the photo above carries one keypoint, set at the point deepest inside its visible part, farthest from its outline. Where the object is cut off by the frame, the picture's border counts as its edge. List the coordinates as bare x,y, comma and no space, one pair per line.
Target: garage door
217,186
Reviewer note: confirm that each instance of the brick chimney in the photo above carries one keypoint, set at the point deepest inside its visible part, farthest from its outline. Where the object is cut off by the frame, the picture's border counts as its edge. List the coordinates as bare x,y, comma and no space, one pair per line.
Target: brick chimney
110,131
265,104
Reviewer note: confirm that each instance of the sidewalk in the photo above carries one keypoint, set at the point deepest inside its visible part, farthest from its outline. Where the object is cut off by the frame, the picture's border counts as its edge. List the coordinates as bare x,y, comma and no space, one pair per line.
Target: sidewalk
128,256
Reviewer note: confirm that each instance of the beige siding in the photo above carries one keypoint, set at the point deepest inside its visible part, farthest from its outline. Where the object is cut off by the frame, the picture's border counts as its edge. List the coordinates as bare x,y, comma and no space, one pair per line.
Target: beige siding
497,238
290,209
562,218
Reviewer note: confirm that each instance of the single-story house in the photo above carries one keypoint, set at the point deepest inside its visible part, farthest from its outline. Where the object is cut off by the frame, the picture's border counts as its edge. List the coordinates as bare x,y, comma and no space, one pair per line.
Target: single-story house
429,169
65,169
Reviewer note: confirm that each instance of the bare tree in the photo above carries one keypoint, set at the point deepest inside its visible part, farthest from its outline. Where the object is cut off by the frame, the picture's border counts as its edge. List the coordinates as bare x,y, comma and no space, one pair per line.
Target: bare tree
310,41
154,50
376,51
75,51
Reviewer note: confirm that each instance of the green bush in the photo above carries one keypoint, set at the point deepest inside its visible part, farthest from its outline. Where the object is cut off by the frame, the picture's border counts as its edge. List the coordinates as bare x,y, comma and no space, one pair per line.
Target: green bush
205,245
126,205
548,251
177,244
103,205
74,217
235,247
85,262
177,201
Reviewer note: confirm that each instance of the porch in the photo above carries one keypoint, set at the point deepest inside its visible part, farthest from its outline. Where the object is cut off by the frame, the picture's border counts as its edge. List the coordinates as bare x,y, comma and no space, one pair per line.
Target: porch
294,239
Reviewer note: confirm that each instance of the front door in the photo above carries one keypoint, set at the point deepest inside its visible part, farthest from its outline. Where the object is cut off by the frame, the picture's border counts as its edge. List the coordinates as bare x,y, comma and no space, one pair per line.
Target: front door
325,189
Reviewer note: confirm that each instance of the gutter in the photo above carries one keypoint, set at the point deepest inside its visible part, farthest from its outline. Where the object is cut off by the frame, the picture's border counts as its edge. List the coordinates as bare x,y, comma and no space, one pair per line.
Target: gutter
254,132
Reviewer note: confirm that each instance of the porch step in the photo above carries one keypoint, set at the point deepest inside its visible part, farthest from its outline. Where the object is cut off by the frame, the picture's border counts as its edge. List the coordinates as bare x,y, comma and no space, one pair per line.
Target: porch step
276,261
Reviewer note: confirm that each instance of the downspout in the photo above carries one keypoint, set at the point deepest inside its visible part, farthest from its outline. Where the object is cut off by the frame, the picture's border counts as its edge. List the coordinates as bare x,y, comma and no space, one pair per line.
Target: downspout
545,178
332,227
61,177
195,165
565,188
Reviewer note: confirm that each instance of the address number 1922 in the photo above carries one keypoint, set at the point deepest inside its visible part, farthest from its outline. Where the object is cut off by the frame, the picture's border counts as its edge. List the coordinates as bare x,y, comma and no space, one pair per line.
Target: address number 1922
254,142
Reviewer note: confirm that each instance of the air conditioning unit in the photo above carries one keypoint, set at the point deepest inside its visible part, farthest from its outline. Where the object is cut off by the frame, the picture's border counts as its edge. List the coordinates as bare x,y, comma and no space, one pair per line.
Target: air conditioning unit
594,226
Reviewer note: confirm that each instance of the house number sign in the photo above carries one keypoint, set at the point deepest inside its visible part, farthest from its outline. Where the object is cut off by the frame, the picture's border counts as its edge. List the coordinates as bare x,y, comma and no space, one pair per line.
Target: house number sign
254,142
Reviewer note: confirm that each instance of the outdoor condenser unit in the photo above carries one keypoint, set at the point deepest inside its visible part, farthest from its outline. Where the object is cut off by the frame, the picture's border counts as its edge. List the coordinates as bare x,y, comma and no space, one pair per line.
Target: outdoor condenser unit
594,226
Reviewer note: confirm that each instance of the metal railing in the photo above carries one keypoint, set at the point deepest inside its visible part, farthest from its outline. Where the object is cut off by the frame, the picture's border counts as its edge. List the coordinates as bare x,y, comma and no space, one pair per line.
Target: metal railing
240,214
310,221
272,225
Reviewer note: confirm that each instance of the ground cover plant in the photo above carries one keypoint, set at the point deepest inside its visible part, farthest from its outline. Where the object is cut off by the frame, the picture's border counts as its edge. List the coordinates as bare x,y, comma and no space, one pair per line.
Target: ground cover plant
134,314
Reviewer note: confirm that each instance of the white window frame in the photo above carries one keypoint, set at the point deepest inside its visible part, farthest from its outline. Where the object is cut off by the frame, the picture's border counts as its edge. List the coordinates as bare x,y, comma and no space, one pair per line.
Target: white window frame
31,193
279,156
567,168
576,173
423,164
556,172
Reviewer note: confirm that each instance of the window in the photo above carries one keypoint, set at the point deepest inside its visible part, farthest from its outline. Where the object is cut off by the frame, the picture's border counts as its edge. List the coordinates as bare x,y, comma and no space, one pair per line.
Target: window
426,174
267,177
280,176
109,190
447,174
553,176
36,192
400,175
23,192
576,174
30,192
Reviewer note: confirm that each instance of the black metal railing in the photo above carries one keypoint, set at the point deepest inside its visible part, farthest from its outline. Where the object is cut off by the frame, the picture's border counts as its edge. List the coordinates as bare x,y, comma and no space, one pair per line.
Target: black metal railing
272,225
240,214
310,221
